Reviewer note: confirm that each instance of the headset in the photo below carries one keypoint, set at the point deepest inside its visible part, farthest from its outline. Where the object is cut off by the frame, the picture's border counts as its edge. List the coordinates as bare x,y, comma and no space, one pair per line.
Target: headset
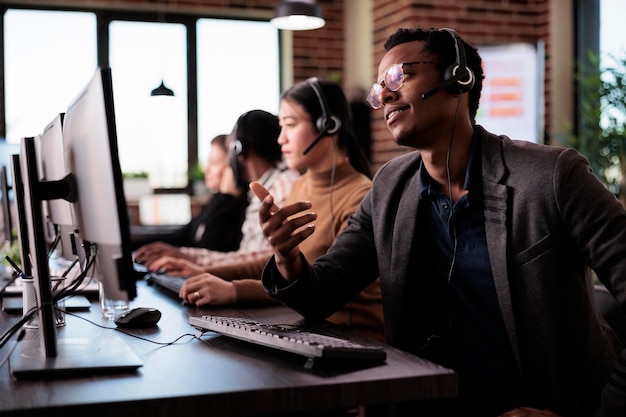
236,149
327,124
457,78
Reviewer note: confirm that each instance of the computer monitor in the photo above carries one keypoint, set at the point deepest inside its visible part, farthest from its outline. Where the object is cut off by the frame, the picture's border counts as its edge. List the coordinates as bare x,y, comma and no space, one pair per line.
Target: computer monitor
59,212
90,139
7,220
53,167
22,227
94,186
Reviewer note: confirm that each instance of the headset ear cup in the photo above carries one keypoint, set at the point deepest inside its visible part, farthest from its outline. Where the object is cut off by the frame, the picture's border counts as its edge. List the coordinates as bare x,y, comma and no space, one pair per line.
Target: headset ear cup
330,125
447,75
461,85
320,123
334,124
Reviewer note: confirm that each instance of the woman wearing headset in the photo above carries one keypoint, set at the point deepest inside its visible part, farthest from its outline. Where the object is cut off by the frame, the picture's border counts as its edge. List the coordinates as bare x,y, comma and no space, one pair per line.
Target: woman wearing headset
316,138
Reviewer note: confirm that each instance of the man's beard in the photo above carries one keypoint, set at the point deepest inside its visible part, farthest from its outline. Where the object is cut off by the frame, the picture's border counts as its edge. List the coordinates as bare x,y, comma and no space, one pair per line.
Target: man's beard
407,137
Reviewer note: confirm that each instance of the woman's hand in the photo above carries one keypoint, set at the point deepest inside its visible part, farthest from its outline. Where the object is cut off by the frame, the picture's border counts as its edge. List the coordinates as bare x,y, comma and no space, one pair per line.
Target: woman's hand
150,252
206,289
284,228
175,266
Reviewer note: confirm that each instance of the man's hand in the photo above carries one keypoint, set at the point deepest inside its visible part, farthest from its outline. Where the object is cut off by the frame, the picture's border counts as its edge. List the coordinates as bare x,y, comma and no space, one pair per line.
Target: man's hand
284,228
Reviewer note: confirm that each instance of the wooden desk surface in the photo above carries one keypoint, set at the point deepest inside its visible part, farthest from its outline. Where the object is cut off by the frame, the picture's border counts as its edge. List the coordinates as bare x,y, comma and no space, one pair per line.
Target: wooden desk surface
216,375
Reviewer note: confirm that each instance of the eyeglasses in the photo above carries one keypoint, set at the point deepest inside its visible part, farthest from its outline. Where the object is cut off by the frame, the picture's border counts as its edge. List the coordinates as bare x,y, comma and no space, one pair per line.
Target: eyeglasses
393,80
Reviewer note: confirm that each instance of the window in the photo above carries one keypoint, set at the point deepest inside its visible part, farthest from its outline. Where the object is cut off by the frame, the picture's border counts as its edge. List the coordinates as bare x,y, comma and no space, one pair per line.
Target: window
141,56
612,32
50,55
235,74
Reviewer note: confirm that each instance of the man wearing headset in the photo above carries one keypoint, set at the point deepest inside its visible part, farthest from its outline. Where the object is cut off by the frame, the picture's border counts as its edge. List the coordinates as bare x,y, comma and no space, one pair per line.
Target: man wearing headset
483,244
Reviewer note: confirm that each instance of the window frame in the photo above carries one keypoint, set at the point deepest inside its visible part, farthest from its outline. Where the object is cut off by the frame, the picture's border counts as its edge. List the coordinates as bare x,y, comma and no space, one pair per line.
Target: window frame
103,19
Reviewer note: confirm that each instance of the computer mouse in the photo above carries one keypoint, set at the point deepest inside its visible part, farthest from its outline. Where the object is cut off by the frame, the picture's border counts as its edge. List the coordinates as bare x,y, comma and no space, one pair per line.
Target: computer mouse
139,317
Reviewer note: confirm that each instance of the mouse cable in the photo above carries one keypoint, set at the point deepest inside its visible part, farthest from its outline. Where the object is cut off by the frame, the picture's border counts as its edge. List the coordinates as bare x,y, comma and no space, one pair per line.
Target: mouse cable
129,333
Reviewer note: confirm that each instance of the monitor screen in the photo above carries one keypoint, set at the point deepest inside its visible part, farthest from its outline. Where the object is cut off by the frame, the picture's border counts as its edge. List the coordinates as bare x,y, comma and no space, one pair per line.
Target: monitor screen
90,138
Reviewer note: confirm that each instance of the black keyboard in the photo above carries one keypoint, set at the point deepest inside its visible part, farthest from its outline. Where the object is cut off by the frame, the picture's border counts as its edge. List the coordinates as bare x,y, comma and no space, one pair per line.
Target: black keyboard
289,338
172,283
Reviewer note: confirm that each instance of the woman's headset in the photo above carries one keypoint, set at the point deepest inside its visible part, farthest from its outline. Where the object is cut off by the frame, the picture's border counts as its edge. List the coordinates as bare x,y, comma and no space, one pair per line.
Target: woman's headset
327,124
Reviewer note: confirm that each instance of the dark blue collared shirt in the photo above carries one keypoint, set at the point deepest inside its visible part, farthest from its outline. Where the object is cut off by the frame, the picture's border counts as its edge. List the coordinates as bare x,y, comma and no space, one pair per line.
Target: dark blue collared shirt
473,340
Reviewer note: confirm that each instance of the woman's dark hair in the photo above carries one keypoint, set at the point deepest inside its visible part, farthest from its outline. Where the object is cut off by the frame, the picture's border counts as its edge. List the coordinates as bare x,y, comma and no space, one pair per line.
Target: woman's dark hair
258,130
441,44
304,94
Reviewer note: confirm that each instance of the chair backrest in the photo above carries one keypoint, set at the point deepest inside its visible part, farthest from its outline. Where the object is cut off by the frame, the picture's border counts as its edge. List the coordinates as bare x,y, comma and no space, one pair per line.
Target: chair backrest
611,311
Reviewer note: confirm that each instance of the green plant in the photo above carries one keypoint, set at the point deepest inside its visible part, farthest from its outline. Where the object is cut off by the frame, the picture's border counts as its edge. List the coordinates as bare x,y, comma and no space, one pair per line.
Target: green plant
138,174
12,252
196,173
602,121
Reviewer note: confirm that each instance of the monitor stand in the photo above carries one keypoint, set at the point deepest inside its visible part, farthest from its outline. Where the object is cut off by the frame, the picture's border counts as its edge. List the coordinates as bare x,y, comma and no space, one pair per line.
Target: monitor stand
74,356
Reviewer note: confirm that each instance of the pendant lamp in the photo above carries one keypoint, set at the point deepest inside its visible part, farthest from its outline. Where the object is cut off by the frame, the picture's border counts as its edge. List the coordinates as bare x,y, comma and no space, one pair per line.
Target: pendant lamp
298,15
162,90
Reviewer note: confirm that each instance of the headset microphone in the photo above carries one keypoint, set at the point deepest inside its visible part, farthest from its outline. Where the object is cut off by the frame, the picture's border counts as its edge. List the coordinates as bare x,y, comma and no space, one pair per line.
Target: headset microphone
457,73
317,139
438,87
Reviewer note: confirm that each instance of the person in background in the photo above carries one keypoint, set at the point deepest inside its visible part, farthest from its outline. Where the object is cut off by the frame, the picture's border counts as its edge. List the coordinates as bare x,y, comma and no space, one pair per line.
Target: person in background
316,138
254,155
484,247
218,225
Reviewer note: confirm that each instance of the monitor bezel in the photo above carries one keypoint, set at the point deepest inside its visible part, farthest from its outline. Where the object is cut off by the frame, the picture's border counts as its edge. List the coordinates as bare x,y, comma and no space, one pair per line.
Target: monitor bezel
7,218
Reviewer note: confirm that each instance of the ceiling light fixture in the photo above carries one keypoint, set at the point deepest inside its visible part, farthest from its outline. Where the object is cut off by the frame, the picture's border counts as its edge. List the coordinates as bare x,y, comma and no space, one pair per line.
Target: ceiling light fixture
298,15
162,90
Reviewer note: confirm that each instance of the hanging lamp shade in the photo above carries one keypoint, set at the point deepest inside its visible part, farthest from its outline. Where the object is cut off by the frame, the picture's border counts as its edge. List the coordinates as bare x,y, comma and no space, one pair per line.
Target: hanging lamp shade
298,15
162,90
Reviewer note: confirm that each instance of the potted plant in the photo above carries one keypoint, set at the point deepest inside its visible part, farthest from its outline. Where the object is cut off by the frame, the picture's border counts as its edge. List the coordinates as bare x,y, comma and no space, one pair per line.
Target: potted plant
196,179
601,137
136,184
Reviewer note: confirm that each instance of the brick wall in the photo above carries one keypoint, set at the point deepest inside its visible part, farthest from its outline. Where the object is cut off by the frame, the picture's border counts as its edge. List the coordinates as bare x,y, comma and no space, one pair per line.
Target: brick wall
321,52
477,21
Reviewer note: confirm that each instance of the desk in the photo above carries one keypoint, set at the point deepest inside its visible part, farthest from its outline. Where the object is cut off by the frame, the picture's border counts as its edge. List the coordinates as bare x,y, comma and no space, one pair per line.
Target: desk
214,376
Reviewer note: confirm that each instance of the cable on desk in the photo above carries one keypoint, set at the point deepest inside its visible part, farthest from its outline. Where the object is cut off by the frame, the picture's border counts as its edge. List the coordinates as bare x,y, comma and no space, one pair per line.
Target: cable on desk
6,358
6,336
65,292
128,333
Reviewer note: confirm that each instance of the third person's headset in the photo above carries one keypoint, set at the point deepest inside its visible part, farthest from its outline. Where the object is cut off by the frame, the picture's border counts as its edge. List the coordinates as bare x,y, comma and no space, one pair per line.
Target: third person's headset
327,124
457,78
